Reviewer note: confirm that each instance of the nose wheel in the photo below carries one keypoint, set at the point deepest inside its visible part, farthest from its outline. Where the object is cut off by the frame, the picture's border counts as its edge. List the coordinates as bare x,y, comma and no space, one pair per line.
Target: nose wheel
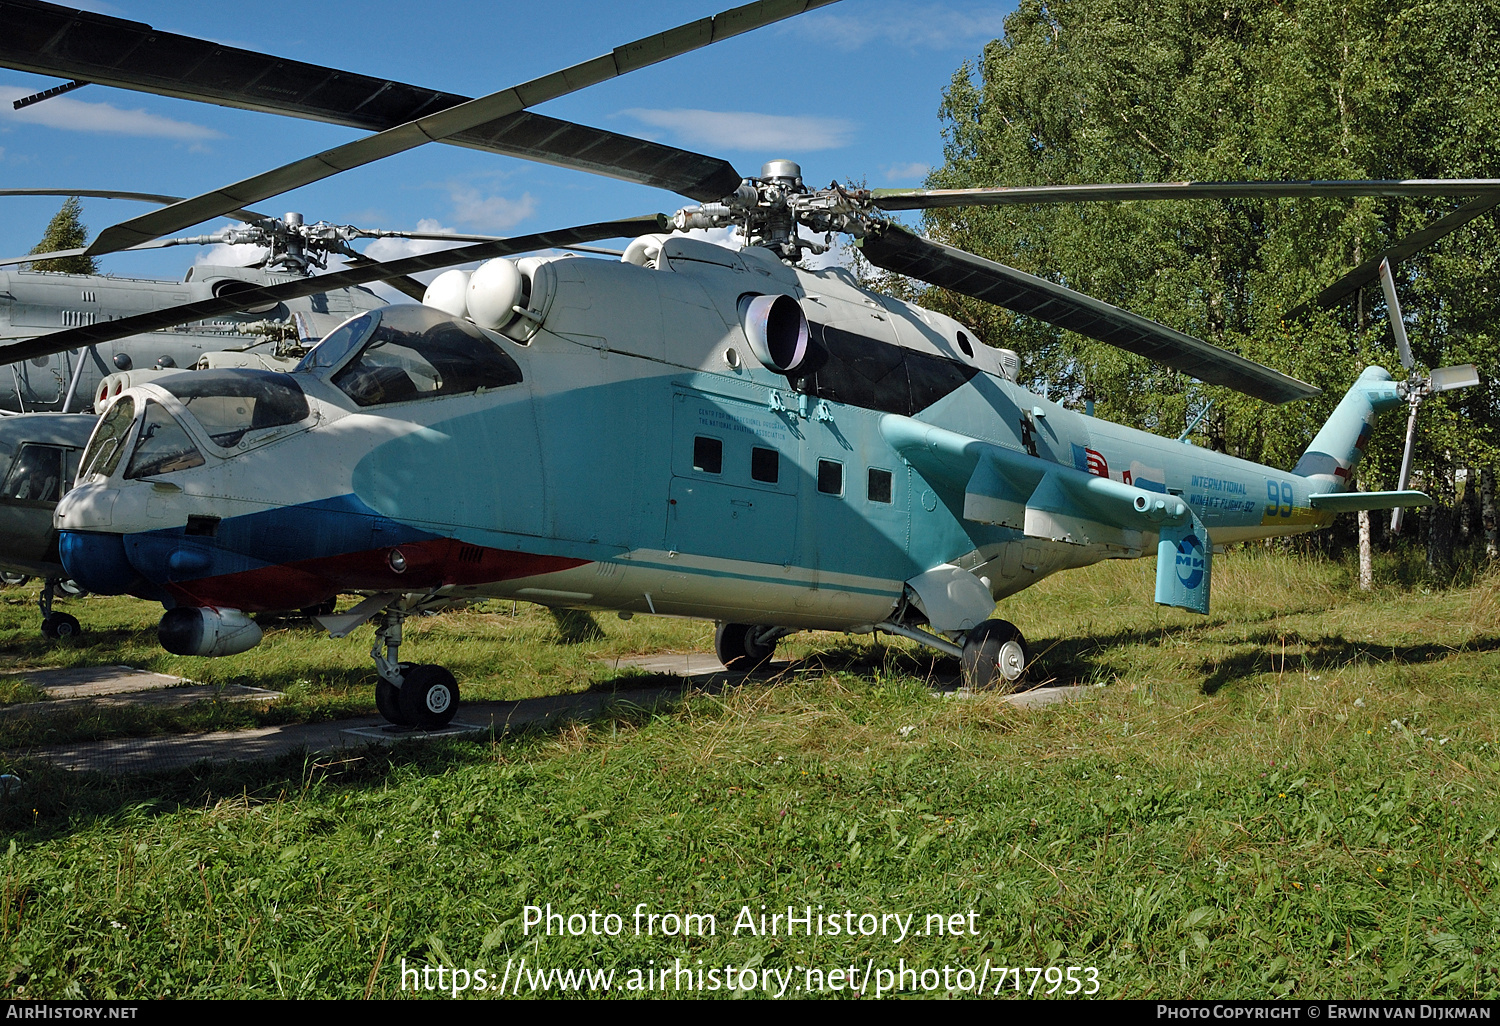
417,695
58,625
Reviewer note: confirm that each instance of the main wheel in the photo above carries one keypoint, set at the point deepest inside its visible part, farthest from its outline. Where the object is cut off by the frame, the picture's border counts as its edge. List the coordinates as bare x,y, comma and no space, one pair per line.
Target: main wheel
61,625
388,701
14,579
995,656
429,696
737,648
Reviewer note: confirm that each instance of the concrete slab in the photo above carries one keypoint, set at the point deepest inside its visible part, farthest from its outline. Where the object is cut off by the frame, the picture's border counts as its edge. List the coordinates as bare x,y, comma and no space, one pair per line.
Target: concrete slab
1033,699
157,698
691,664
698,672
145,755
88,681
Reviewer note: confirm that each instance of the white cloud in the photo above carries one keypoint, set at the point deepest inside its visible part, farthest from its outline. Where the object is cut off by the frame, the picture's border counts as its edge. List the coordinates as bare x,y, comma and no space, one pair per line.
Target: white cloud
925,27
225,255
80,116
488,213
746,130
906,172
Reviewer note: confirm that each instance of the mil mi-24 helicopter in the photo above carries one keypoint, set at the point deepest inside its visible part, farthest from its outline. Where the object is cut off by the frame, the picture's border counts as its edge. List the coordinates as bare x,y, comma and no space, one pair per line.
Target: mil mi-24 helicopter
687,430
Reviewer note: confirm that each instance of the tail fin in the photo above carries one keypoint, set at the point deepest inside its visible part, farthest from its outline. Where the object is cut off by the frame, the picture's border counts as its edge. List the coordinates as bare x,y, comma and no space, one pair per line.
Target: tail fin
1330,460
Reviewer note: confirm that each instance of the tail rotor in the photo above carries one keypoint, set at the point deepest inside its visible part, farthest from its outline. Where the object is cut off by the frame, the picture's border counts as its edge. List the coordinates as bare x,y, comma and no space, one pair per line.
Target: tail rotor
1416,387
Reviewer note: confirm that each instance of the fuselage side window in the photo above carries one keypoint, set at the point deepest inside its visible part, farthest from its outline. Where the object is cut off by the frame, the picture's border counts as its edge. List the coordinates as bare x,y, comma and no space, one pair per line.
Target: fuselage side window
830,477
708,455
765,465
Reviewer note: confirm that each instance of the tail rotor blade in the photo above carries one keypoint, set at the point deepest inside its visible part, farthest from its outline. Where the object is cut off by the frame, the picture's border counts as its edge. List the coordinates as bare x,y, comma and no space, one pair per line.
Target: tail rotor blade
1411,437
1445,379
1388,285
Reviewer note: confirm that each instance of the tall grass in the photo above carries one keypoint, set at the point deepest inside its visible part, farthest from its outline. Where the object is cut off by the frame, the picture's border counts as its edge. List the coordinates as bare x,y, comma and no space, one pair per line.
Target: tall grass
1295,796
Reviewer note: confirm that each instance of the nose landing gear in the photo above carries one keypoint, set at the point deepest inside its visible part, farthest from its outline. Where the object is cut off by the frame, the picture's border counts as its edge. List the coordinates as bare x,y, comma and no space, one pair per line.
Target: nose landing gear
55,624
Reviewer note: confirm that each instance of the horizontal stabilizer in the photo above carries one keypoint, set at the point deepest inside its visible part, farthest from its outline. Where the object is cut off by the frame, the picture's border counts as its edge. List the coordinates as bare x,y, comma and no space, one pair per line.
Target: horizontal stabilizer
1352,502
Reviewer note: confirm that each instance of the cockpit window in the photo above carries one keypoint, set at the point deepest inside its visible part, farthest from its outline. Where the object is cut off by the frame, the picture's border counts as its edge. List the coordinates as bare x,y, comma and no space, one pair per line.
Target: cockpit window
228,403
106,446
338,342
36,475
163,445
419,353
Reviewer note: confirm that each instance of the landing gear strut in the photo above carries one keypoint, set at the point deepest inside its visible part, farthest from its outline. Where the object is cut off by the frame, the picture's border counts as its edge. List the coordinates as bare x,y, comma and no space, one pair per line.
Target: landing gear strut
54,624
407,694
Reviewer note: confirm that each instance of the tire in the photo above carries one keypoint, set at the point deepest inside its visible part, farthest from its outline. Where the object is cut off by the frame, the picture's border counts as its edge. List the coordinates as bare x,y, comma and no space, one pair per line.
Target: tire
429,696
995,656
736,648
71,589
388,701
61,625
13,580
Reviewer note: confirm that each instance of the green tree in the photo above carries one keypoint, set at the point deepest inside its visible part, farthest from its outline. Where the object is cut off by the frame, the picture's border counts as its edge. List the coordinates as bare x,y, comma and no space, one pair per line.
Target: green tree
66,231
1169,90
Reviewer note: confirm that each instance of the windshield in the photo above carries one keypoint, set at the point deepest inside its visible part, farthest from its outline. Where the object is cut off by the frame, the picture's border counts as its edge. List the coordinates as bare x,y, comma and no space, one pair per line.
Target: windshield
338,342
105,447
417,352
228,403
163,445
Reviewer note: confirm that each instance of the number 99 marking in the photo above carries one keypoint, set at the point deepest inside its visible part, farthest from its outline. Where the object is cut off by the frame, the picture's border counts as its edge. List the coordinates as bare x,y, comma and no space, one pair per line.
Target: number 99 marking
1278,498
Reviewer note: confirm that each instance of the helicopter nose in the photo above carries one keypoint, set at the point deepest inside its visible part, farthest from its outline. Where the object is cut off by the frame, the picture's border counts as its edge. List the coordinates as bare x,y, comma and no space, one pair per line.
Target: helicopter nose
93,557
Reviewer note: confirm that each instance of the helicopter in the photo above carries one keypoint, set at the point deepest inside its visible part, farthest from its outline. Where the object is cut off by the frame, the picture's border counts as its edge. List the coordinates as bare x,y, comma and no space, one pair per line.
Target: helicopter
291,247
687,430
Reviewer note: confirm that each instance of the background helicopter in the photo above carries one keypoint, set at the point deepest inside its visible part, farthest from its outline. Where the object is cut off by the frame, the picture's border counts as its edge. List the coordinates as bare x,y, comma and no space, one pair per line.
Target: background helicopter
1012,474
35,301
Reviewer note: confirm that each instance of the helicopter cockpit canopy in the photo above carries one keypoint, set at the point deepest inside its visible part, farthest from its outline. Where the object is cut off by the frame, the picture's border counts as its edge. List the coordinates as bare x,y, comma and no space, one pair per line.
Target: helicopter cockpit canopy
225,405
402,353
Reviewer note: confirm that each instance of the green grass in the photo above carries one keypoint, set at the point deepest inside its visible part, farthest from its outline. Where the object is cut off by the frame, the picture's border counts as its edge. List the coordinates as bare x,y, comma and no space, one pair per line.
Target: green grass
1295,796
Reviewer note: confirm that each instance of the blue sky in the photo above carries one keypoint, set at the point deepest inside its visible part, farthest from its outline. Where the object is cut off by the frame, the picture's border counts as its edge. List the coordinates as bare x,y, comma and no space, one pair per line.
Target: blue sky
850,91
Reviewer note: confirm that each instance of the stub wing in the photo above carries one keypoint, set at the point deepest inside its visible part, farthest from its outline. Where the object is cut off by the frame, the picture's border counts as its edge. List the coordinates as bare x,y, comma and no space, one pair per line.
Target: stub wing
1047,500
1353,502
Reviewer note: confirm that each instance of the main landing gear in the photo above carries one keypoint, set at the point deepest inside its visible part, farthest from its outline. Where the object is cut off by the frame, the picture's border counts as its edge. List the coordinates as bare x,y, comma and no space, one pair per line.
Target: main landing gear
744,647
994,656
409,694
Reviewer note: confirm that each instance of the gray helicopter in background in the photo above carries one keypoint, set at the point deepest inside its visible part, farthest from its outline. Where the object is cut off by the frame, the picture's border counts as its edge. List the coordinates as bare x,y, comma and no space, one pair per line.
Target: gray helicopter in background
36,302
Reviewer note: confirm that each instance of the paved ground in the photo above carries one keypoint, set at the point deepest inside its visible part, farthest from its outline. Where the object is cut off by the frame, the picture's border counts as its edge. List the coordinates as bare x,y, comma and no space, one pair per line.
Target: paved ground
695,671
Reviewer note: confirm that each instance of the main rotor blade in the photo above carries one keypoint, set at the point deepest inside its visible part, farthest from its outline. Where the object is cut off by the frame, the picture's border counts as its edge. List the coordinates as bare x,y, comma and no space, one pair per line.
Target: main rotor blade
896,249
50,40
1393,308
1419,240
930,199
465,116
60,254
108,331
144,197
